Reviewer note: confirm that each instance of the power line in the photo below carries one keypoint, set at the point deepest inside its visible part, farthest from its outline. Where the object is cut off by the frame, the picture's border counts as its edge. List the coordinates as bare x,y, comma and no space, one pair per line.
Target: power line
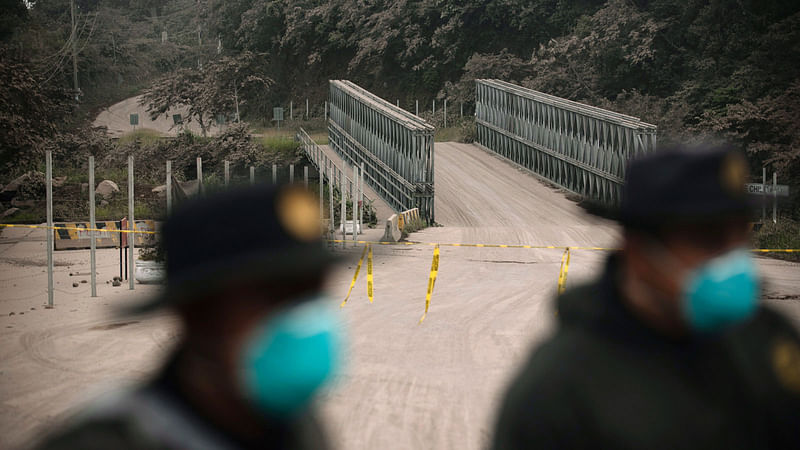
74,50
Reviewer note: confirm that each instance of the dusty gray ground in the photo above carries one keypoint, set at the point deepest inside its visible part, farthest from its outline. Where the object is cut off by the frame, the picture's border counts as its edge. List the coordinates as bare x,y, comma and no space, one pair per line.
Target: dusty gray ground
434,385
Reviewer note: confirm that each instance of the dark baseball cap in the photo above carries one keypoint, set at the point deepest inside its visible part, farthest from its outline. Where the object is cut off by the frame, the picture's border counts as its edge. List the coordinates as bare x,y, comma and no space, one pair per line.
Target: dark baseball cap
263,233
685,184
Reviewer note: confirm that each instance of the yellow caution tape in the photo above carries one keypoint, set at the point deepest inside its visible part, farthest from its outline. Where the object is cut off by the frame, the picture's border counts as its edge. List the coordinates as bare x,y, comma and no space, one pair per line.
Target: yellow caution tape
560,247
369,274
445,244
431,281
355,277
74,229
434,244
562,275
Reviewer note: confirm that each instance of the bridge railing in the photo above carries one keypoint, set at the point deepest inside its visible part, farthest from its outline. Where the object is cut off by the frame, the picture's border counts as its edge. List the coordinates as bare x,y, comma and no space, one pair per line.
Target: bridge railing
395,146
579,147
326,166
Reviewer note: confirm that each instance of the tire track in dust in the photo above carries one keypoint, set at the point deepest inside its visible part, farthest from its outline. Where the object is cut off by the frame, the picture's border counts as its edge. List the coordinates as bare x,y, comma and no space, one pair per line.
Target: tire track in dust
439,391
41,347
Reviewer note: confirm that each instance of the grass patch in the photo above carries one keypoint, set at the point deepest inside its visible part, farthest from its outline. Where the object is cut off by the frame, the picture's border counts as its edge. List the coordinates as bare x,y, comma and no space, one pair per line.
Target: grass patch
145,136
450,134
321,137
280,143
784,234
27,216
461,130
412,226
315,128
81,175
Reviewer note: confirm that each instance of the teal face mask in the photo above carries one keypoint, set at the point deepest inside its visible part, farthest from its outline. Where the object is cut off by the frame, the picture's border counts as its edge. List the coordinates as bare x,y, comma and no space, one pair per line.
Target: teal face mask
721,292
289,356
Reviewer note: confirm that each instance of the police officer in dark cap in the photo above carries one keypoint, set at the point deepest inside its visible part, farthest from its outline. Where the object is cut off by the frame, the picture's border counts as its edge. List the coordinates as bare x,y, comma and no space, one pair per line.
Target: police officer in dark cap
669,348
245,270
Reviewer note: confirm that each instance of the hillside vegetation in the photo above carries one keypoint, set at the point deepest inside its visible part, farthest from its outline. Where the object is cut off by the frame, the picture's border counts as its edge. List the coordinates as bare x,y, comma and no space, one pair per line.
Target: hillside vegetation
723,68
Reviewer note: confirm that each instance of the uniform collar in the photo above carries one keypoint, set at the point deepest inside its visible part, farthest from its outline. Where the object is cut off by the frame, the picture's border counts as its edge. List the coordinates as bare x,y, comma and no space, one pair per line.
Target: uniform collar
600,307
167,384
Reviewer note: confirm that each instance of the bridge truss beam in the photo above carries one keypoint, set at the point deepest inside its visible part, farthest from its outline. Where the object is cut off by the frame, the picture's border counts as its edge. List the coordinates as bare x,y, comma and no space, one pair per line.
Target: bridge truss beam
581,148
395,146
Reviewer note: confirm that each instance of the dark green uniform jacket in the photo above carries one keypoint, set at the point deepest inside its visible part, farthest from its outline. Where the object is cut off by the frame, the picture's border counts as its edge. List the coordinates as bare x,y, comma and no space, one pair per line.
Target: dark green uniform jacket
606,381
160,416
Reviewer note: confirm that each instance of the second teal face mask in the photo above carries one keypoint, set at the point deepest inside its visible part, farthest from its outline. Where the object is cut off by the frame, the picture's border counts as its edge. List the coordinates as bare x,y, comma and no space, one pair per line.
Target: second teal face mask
290,356
721,292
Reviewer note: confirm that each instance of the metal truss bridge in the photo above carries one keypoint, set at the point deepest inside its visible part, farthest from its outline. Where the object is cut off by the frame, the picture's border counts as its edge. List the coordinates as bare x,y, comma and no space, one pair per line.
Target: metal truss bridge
581,148
395,146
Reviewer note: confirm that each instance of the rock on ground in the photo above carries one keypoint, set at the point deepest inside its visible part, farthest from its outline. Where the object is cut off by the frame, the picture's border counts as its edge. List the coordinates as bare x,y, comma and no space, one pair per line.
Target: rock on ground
106,189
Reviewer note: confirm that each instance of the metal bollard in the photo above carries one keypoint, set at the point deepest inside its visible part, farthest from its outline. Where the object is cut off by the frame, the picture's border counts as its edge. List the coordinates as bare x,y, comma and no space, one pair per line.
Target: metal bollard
92,226
50,231
169,187
227,172
132,222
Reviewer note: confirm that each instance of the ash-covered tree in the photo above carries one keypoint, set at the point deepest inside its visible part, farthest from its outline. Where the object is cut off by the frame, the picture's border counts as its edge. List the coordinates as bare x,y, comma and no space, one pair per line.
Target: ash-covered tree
31,111
211,90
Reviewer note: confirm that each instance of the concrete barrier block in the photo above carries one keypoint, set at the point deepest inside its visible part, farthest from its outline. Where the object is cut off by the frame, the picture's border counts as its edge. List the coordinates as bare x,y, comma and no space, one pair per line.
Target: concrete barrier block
392,233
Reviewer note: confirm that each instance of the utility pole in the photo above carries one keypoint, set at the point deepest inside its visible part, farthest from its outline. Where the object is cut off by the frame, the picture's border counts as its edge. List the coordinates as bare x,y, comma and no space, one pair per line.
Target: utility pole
74,39
114,48
236,99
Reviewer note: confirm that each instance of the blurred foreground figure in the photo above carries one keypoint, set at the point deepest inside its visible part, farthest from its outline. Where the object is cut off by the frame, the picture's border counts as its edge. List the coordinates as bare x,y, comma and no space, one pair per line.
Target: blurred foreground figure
669,349
244,271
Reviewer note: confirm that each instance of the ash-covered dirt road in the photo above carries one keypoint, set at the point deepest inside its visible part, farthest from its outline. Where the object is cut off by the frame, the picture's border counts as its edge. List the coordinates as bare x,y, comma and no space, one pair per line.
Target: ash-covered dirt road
117,120
406,385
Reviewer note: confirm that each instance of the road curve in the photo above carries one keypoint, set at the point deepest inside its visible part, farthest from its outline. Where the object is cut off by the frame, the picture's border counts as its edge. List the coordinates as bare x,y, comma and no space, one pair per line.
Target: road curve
117,120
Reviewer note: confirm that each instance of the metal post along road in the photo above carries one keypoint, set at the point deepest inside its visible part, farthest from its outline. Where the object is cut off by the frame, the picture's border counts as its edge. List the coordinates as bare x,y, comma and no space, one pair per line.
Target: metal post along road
132,222
93,225
49,193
